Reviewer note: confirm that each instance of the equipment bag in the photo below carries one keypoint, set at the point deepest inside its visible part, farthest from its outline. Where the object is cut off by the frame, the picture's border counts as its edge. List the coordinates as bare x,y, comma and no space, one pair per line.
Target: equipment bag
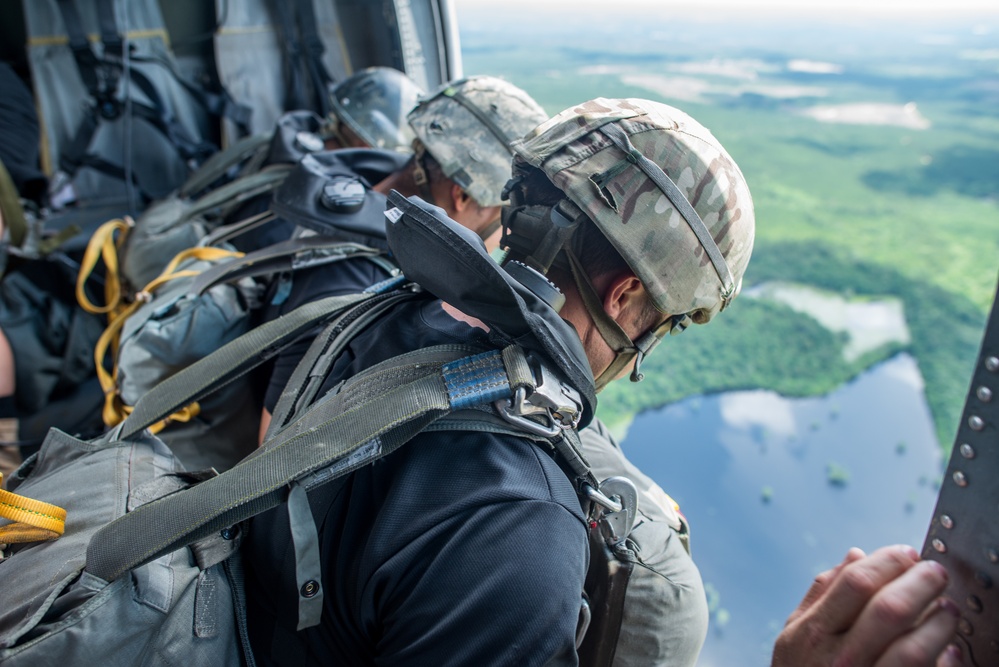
180,608
204,299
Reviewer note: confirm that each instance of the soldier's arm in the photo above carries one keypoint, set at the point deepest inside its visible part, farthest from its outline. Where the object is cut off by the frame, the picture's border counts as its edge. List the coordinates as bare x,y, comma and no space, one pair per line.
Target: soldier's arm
881,610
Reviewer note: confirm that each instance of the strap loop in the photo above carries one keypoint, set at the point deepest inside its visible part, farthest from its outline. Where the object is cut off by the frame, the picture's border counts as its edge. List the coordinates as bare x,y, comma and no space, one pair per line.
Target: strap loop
32,520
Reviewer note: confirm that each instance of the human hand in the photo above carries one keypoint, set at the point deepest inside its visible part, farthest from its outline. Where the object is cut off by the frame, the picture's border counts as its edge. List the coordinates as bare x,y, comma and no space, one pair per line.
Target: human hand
881,610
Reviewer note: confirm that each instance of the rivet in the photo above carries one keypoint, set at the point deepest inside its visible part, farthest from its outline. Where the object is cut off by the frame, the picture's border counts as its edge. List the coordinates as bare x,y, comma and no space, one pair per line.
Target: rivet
310,588
984,394
974,604
992,363
946,522
939,545
967,451
965,628
960,479
976,423
983,580
993,555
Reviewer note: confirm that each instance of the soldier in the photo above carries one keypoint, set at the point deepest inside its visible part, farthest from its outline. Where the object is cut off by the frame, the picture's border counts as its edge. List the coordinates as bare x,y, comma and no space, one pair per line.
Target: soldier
468,547
369,110
457,133
461,163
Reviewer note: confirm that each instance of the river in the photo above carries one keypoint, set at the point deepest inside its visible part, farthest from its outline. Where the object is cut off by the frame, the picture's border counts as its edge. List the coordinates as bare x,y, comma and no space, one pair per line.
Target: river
778,489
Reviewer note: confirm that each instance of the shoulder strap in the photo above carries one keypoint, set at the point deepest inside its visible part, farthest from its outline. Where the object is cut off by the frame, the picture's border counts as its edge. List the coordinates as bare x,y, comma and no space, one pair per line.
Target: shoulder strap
308,377
287,255
240,190
314,49
218,164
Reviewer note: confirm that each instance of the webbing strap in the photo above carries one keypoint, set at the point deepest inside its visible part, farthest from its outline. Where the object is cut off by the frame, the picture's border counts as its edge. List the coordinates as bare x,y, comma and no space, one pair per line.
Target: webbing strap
666,185
31,520
314,50
218,164
482,116
475,380
295,96
233,230
240,190
99,77
375,411
307,378
283,256
104,244
231,361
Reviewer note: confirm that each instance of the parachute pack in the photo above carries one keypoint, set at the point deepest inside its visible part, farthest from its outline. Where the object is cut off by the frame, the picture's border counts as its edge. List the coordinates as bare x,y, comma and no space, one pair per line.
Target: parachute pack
209,293
158,553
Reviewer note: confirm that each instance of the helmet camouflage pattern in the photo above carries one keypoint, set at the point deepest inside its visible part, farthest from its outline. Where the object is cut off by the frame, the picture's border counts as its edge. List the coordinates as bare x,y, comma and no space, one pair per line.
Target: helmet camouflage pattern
374,103
467,126
603,154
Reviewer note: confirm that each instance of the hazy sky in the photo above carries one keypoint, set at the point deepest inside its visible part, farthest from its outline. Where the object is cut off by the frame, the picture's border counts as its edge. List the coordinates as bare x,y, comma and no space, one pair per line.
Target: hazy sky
838,6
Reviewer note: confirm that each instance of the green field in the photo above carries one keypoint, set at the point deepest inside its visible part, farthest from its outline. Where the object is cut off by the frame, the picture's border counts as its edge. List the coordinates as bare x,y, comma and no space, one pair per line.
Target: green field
873,210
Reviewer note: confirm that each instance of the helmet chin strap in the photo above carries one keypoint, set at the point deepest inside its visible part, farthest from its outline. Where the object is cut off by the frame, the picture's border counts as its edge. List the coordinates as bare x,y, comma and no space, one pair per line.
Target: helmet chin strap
625,349
420,174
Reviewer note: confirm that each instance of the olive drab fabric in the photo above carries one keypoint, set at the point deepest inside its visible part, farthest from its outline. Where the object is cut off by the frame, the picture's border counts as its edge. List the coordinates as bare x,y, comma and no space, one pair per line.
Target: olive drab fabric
467,126
373,103
586,151
150,125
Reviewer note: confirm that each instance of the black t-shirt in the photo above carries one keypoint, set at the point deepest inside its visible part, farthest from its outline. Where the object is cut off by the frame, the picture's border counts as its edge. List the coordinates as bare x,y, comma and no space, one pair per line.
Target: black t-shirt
460,548
348,276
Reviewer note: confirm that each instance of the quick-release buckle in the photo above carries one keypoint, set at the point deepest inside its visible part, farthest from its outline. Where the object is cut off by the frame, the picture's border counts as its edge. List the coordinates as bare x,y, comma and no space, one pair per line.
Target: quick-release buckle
558,403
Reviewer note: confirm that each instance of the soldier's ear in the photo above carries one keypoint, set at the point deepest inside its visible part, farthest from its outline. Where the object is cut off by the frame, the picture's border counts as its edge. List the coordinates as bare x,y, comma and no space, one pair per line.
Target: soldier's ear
460,200
623,293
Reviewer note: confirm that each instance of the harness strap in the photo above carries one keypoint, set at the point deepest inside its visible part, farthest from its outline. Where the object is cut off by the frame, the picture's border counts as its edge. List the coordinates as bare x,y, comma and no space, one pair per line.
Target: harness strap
100,76
378,414
239,190
310,373
221,162
295,95
314,50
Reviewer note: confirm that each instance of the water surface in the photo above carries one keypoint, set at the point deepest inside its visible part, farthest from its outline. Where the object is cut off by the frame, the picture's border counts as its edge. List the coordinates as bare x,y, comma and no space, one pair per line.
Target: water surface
778,489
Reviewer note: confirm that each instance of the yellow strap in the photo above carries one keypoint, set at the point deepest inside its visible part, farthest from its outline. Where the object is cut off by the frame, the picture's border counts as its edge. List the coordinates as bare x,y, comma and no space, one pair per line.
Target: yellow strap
185,414
115,410
33,520
104,245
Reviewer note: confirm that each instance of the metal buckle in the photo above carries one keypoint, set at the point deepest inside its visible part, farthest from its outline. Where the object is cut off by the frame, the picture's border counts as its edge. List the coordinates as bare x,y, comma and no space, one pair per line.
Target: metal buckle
617,501
551,398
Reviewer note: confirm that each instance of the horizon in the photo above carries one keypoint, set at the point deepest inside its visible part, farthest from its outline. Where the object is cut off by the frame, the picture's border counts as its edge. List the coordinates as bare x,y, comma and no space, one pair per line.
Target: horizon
845,9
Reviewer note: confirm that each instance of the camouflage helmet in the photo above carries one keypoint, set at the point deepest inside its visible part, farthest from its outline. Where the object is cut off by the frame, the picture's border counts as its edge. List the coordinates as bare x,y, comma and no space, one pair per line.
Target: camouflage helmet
373,103
662,189
467,126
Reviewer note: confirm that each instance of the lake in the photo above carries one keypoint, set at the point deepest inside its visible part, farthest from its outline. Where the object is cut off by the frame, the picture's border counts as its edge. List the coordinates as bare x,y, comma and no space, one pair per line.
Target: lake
778,489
